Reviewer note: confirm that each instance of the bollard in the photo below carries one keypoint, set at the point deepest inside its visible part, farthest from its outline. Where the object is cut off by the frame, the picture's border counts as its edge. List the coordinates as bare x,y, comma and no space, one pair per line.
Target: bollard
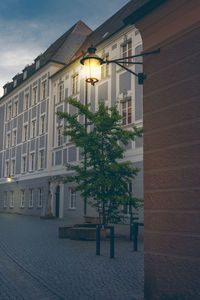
112,242
98,239
131,232
135,237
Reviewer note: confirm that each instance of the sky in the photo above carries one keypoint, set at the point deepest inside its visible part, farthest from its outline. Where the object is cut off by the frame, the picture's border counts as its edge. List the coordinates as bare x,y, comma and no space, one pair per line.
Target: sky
27,27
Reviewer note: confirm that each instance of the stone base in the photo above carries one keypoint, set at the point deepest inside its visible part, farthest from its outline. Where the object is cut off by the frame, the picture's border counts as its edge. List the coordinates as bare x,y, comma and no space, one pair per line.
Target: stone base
80,233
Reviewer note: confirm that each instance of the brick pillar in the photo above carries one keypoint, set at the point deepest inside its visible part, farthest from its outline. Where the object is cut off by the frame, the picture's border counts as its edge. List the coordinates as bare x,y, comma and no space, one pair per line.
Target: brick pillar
172,150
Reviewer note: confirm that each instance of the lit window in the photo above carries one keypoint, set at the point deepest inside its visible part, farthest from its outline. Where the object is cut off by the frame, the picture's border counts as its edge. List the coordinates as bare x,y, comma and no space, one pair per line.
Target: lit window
9,112
105,69
14,138
41,159
26,100
23,164
11,199
32,161
31,198
33,128
42,124
60,92
22,198
34,97
15,111
25,133
75,84
127,51
40,197
127,112
72,203
44,89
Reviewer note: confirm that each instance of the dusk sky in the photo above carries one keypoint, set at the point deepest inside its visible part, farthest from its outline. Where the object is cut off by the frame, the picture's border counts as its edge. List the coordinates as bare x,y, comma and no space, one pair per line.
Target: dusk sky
27,28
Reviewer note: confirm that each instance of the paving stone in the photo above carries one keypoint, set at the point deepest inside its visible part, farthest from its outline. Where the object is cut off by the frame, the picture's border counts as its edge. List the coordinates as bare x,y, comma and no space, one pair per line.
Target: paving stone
36,264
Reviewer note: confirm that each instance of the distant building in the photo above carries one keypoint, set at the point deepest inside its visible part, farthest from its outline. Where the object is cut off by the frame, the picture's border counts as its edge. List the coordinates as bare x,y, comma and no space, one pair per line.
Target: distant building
33,150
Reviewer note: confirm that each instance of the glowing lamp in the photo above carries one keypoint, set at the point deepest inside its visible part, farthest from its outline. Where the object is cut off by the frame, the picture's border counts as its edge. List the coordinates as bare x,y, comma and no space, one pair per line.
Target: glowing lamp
9,179
92,63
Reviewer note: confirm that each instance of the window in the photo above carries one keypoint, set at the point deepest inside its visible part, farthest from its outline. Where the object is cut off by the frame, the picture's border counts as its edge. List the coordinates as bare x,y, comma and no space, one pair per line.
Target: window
5,199
23,164
14,138
31,198
9,112
41,159
44,89
15,83
72,202
25,133
127,51
127,112
25,75
75,84
60,92
34,98
33,128
13,167
8,140
104,69
11,199
7,169
26,100
59,137
15,110
40,197
32,161
42,124
37,64
22,198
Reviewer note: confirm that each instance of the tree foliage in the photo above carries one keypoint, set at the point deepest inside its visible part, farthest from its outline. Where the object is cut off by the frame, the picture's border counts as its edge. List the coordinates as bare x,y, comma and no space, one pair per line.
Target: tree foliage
102,176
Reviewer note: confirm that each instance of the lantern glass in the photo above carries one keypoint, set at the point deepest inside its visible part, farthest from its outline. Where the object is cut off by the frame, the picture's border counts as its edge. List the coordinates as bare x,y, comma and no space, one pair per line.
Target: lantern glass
92,70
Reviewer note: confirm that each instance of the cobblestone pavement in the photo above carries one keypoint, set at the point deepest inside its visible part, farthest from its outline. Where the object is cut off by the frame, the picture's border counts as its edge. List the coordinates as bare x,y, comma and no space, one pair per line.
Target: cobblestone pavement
35,264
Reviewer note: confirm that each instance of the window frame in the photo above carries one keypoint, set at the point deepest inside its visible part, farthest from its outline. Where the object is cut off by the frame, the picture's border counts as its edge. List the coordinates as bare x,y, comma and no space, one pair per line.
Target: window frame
22,198
30,203
72,199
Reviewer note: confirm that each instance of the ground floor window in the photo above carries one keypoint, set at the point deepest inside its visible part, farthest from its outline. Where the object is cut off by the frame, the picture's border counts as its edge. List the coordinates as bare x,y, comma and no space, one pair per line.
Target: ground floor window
22,198
72,202
40,196
11,199
5,199
31,198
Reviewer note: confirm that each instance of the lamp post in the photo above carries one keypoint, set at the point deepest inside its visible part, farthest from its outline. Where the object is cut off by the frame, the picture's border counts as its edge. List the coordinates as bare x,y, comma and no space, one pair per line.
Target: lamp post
92,63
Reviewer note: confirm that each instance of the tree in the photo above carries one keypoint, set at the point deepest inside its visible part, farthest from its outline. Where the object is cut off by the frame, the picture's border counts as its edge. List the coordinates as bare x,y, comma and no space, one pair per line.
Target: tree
102,177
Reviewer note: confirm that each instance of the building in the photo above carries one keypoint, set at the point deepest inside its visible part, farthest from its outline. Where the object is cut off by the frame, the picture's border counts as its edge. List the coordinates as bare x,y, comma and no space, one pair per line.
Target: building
32,148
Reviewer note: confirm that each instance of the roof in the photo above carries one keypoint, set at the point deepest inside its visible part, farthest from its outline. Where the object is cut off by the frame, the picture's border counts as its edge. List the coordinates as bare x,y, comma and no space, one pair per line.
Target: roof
141,8
111,26
61,51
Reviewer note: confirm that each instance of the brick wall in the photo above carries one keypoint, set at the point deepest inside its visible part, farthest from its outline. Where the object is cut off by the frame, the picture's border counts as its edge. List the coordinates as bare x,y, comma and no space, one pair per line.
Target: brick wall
172,150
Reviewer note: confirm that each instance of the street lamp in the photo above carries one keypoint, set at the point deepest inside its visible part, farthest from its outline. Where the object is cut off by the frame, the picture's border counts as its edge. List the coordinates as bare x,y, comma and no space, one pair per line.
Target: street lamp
11,179
92,63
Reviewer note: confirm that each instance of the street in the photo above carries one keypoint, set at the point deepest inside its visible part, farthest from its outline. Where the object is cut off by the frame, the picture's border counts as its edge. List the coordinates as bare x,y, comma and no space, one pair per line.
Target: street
36,264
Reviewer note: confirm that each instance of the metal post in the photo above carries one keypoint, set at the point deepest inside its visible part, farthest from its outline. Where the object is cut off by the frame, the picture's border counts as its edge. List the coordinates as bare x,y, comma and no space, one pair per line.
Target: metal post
85,159
135,237
98,239
112,242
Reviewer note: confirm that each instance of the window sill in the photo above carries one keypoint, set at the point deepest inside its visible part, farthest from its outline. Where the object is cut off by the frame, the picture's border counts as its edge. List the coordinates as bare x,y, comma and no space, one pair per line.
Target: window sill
22,207
72,208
